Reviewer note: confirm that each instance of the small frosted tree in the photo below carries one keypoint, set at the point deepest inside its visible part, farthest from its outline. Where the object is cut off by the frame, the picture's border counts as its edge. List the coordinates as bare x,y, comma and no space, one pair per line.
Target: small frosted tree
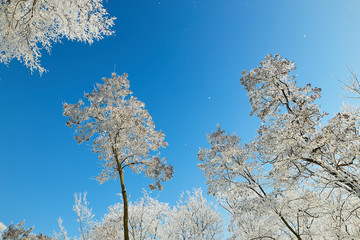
84,218
122,133
84,215
146,220
28,26
19,232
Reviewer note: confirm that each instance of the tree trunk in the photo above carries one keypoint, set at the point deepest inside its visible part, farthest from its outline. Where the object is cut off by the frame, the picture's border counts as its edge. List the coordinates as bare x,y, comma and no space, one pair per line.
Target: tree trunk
126,214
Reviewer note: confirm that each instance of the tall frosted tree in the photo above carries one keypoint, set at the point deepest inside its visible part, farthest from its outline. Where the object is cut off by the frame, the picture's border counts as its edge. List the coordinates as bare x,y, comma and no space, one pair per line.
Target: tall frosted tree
299,177
122,133
28,26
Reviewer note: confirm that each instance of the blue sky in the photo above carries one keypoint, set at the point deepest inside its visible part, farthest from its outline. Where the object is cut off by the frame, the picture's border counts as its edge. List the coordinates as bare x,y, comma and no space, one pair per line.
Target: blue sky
184,59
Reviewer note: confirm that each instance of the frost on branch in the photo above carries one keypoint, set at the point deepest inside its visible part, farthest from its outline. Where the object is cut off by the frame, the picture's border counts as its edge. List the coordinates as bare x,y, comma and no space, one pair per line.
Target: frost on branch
121,130
28,26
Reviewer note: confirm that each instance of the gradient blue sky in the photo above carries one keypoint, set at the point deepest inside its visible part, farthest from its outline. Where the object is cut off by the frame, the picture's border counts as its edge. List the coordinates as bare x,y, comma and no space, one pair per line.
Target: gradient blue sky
184,59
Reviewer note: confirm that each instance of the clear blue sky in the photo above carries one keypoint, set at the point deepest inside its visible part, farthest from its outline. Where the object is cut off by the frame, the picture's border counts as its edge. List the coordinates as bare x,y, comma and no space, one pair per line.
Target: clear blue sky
184,59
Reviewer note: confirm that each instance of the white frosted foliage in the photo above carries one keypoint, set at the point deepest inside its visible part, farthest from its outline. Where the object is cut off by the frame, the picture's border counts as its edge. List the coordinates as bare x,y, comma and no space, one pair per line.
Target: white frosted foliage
29,26
193,218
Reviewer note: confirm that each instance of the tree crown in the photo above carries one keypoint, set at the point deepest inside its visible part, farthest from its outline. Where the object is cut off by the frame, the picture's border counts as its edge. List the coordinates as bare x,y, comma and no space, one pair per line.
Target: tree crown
121,130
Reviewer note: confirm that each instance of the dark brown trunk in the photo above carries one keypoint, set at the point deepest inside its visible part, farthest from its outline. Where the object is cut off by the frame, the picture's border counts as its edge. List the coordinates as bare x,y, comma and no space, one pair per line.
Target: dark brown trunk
126,213
123,191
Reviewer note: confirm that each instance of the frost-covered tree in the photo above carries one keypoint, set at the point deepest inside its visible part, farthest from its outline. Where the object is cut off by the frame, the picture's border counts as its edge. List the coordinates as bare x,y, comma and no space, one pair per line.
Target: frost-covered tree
84,215
19,232
84,218
146,219
122,133
292,138
193,218
292,178
28,26
259,204
62,235
264,205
